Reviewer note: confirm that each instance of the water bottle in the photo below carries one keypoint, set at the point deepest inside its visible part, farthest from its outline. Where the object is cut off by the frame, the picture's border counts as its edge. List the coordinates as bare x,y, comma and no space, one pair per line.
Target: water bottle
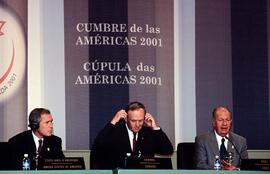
125,160
26,162
217,163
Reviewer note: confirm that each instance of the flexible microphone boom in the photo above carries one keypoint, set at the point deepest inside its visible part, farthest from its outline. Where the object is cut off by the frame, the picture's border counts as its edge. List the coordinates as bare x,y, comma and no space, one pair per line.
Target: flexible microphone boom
240,158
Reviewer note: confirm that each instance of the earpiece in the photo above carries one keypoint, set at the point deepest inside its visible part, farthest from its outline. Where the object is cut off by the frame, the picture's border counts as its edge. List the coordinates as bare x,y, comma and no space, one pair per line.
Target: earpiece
34,125
34,119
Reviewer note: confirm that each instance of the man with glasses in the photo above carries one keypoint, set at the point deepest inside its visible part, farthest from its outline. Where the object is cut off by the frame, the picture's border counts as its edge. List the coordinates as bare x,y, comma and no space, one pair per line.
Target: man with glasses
221,142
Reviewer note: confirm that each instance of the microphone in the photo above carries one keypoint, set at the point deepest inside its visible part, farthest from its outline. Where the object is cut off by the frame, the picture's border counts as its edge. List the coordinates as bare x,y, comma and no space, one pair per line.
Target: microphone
240,158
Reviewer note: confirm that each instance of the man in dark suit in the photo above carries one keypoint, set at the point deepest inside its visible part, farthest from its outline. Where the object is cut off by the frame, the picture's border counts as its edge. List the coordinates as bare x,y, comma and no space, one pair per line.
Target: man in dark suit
220,142
131,132
38,143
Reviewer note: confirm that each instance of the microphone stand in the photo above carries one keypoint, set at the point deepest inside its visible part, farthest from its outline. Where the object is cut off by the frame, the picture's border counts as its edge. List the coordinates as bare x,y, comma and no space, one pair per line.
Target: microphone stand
36,160
240,158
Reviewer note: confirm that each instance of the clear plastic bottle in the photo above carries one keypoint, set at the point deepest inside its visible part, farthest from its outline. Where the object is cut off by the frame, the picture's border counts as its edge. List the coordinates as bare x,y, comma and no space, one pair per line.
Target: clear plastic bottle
25,162
217,163
125,160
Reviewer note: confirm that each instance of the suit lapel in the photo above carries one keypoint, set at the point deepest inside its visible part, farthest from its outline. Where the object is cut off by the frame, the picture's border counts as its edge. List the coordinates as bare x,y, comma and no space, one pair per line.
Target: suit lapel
143,143
141,135
214,143
125,138
31,143
230,147
46,145
140,140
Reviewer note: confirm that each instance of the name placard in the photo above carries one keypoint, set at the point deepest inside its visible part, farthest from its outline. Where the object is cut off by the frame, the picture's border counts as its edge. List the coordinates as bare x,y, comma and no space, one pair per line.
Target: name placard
69,163
148,163
255,164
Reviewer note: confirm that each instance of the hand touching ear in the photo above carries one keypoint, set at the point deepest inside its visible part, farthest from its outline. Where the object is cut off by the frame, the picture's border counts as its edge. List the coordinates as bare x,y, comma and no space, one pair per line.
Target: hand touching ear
150,121
118,116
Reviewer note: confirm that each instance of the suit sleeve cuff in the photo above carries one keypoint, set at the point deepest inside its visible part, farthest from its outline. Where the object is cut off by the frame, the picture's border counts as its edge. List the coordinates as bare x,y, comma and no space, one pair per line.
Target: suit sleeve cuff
157,128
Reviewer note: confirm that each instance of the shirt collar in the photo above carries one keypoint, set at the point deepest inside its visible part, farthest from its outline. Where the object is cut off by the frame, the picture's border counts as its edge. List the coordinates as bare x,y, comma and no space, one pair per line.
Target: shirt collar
218,138
130,136
130,133
36,139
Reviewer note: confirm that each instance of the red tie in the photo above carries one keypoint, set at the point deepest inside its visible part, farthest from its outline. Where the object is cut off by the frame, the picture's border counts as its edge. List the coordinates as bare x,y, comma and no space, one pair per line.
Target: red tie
134,142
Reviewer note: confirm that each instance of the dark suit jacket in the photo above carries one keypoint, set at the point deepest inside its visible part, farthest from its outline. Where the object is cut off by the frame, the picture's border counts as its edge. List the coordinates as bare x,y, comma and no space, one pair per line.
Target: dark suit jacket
112,144
23,143
206,148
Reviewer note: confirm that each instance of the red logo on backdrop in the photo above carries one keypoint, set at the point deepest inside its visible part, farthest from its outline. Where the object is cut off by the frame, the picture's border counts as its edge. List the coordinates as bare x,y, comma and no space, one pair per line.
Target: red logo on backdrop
12,54
2,78
1,25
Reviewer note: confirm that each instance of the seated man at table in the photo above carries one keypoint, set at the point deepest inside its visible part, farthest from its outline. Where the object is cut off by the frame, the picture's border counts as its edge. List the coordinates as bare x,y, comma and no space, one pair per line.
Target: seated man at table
38,143
220,142
132,131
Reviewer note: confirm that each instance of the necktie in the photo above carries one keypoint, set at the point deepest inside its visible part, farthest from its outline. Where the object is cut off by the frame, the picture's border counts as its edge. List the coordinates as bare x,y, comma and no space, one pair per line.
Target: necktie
223,152
134,144
39,146
134,141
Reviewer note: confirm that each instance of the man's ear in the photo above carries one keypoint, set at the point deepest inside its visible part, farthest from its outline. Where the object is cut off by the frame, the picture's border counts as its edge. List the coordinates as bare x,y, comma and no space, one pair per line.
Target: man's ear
231,125
213,123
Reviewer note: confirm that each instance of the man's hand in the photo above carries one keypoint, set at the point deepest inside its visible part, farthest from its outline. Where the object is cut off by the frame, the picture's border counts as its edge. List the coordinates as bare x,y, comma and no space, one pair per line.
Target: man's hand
150,121
227,166
118,116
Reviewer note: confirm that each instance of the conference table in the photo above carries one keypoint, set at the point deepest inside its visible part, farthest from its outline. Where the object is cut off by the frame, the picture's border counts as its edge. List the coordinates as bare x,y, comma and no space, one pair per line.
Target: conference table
129,171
